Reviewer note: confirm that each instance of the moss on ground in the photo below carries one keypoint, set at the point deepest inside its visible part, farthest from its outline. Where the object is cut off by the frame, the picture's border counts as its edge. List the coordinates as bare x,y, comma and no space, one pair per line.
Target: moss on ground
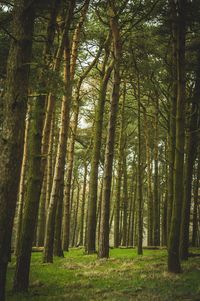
125,276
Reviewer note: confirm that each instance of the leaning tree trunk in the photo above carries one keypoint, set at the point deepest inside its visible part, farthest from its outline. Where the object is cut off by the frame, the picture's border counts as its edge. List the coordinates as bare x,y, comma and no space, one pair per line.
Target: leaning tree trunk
22,183
12,134
174,237
109,153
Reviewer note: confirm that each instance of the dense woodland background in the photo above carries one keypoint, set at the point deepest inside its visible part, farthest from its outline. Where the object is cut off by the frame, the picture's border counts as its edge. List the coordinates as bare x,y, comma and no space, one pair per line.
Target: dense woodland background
99,129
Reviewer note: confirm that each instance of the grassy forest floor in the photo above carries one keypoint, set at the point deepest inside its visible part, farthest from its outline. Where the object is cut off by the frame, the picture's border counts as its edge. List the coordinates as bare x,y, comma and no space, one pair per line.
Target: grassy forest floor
125,276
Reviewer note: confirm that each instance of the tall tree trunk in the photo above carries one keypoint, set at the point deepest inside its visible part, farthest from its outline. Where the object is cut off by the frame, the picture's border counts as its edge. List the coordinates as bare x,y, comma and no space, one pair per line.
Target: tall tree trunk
12,134
172,116
109,153
192,144
61,151
67,192
174,237
93,181
156,183
149,183
119,179
125,202
132,206
34,184
139,178
21,279
70,155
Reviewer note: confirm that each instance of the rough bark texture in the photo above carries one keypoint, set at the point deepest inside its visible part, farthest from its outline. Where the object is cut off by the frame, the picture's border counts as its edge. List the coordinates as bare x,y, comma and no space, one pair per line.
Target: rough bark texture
34,185
14,112
21,279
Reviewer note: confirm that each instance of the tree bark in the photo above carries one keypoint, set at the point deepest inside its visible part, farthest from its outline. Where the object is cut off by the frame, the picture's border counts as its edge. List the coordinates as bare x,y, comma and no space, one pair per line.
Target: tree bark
22,183
192,144
156,182
174,237
109,153
119,179
93,181
61,151
12,134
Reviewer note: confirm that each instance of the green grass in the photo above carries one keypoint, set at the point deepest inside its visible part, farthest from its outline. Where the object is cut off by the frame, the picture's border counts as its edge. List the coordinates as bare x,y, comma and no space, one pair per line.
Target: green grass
125,276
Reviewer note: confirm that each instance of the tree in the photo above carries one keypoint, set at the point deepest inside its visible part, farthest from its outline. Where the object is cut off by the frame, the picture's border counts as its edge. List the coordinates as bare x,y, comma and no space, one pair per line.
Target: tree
109,152
174,237
12,133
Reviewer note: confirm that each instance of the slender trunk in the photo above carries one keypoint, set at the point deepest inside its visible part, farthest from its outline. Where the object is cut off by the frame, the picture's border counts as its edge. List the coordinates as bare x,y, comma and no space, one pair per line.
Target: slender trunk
50,164
12,134
93,181
21,279
63,134
192,144
57,249
133,219
172,117
41,214
109,153
22,183
195,209
75,218
125,203
67,192
156,183
149,183
70,155
174,237
118,183
83,204
139,179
